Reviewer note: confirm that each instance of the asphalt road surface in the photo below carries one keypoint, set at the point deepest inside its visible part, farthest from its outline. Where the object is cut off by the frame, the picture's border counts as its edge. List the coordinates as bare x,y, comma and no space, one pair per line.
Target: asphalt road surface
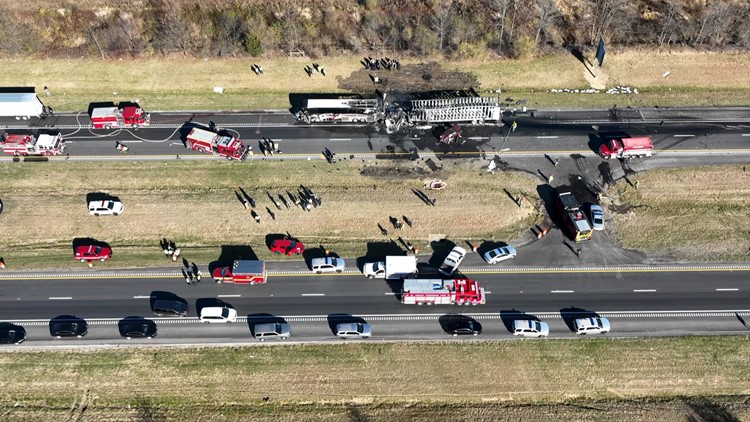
638,302
564,132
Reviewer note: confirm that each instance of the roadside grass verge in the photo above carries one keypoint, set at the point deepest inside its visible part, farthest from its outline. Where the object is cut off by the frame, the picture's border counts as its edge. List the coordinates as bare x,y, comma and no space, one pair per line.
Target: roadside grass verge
195,205
689,213
696,78
333,381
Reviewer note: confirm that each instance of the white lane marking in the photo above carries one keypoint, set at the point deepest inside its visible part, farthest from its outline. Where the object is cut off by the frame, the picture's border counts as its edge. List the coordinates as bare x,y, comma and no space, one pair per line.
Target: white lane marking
561,291
478,138
727,290
547,137
61,298
390,293
487,293
133,141
313,294
683,136
340,139
228,295
746,134
644,290
141,297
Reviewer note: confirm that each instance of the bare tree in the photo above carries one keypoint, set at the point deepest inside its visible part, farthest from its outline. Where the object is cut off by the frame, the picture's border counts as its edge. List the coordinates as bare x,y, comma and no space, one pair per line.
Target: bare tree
441,22
547,13
719,21
668,25
171,30
500,9
289,19
604,13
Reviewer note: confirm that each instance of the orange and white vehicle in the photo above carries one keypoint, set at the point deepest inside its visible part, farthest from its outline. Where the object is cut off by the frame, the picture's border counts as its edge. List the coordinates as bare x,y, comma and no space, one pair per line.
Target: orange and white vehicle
217,144
242,271
27,144
126,114
459,291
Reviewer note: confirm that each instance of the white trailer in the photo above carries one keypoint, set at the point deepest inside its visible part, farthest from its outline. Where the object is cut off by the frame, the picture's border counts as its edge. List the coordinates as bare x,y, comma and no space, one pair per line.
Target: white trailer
20,104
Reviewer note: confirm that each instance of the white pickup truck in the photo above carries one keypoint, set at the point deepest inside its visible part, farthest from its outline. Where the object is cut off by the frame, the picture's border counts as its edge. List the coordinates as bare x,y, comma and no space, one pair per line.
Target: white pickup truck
393,268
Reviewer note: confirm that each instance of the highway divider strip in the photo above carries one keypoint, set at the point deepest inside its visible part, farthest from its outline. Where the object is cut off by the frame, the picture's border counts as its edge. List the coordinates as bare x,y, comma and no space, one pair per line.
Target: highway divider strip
426,317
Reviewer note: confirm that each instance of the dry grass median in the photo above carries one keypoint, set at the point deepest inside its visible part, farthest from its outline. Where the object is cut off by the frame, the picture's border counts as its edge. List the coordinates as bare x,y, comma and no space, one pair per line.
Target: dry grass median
690,213
451,381
695,78
195,205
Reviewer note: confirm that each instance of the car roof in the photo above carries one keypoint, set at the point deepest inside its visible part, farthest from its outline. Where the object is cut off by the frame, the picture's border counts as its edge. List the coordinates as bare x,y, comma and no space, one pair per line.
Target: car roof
591,322
327,260
349,326
212,311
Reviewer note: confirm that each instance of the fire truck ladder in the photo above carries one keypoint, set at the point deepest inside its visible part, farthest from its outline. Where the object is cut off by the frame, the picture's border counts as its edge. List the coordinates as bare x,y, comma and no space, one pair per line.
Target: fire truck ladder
366,104
464,109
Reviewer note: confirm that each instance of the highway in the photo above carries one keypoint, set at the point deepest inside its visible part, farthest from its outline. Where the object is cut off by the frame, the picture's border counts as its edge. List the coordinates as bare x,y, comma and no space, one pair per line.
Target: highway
641,299
638,303
564,132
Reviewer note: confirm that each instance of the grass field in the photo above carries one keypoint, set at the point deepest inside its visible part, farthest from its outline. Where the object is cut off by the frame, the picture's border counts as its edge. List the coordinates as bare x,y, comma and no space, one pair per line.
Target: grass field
195,205
335,382
696,78
673,213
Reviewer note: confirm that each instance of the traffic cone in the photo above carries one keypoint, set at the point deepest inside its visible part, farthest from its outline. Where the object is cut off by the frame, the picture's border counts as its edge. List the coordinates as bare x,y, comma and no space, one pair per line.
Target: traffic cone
416,250
474,248
544,232
90,264
2,264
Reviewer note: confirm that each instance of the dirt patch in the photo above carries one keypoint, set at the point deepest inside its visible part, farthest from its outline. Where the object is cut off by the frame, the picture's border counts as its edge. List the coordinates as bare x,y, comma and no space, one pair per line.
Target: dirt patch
410,78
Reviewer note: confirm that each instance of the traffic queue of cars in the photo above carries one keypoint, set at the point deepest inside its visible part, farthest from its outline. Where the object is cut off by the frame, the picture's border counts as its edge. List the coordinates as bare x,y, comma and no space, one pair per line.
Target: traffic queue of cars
137,327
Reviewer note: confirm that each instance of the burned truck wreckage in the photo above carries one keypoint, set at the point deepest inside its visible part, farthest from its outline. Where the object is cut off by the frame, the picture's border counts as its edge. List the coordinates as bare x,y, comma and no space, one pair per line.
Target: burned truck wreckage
399,111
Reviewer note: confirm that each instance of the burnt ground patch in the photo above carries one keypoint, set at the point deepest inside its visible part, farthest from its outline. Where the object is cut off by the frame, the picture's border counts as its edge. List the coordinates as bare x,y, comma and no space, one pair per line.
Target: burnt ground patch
411,77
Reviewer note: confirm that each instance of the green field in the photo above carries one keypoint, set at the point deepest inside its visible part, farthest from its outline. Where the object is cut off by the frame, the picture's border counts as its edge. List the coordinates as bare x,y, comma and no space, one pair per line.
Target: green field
402,381
195,204
672,214
696,78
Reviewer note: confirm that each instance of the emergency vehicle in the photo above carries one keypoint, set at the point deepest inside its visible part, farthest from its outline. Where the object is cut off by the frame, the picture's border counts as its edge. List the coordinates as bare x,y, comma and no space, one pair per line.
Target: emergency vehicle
242,272
217,144
25,144
460,291
124,115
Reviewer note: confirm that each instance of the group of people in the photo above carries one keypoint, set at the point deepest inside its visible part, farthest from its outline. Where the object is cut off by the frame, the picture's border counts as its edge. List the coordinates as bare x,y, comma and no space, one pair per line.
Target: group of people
257,69
383,63
268,146
315,68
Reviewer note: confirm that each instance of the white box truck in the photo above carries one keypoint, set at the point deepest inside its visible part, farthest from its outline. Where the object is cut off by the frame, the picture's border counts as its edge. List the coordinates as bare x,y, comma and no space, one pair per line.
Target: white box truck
393,268
20,104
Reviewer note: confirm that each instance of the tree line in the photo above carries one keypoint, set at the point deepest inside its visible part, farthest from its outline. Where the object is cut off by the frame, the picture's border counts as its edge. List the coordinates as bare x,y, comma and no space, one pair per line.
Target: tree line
454,28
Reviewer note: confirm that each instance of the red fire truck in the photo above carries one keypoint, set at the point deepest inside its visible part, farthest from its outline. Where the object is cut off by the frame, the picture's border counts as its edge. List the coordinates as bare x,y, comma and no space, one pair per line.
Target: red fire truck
124,115
460,291
213,143
242,271
26,144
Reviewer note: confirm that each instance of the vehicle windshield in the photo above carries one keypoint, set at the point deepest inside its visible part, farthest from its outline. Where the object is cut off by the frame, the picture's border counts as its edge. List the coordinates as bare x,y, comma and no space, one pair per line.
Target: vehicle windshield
225,312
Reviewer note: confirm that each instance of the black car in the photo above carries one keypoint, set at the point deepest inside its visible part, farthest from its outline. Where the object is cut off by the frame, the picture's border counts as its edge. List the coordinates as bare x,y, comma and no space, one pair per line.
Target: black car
68,328
464,327
137,327
12,334
170,308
